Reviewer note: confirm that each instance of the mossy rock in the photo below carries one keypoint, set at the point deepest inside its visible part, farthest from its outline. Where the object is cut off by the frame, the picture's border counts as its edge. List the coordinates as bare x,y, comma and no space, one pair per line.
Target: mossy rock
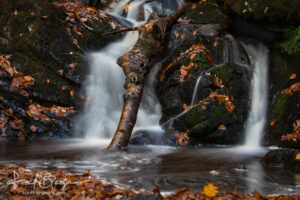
33,37
279,11
283,108
207,12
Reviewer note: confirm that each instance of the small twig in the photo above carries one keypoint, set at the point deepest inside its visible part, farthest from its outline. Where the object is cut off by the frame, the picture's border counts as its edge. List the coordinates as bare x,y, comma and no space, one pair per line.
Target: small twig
120,31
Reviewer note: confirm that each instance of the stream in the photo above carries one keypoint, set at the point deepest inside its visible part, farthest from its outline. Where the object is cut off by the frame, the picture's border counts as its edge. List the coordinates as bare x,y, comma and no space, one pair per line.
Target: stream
152,166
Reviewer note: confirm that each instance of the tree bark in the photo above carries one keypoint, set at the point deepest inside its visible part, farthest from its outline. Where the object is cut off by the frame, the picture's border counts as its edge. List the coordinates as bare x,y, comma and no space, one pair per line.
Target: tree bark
136,65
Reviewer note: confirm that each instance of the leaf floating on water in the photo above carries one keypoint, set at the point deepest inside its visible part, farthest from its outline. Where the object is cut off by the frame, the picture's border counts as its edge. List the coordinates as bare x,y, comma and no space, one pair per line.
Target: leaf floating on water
210,190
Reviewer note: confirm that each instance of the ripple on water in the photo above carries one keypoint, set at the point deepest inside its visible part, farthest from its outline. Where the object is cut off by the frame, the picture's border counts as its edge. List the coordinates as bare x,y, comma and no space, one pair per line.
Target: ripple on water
157,166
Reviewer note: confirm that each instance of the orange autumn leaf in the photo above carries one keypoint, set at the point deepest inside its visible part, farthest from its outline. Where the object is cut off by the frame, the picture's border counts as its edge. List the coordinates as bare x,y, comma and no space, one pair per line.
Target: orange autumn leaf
198,48
293,76
222,127
6,66
273,123
73,65
297,156
126,8
295,135
65,87
185,107
210,190
291,90
149,26
218,81
60,71
223,99
72,93
182,138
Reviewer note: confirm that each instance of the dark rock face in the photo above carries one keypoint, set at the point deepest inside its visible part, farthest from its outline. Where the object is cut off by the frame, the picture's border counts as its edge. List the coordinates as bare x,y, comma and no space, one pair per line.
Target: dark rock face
277,11
34,38
222,57
283,108
282,157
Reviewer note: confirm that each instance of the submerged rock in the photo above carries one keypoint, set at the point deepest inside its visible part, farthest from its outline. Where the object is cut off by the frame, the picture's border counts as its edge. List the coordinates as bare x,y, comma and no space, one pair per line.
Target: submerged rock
288,158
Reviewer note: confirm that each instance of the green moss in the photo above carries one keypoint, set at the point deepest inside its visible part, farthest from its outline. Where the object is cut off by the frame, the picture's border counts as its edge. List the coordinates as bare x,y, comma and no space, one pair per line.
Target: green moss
225,72
280,107
291,43
200,128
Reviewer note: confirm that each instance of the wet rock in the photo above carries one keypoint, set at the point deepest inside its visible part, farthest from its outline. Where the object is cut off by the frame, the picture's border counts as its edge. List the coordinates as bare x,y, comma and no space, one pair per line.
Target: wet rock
277,11
222,57
283,109
282,157
39,43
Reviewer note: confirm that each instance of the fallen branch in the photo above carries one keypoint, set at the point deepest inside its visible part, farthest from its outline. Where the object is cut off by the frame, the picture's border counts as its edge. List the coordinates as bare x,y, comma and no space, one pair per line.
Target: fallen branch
120,31
136,65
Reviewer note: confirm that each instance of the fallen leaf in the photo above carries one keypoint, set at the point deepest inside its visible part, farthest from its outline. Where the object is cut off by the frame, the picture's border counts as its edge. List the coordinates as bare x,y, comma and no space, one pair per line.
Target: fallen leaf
210,190
203,107
65,87
127,7
297,156
293,76
185,107
30,28
32,128
273,123
60,71
72,93
222,127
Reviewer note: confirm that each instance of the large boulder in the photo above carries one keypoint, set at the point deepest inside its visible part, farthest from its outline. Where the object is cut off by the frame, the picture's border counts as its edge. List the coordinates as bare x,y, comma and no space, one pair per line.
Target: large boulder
220,104
47,41
283,109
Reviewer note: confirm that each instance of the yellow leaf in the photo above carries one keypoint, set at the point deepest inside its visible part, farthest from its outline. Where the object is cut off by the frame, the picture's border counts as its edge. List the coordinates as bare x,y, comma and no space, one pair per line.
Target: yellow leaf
293,76
210,190
127,7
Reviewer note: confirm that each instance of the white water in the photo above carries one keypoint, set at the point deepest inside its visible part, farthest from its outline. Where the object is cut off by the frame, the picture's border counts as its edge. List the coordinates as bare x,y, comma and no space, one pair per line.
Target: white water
105,83
259,96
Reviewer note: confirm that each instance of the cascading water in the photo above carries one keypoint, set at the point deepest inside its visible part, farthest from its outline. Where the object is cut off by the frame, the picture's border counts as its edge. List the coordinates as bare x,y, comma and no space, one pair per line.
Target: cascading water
105,83
259,95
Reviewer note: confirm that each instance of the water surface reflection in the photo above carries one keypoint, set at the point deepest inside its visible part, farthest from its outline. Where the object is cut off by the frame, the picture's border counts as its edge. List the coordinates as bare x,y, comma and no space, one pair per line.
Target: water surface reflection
156,166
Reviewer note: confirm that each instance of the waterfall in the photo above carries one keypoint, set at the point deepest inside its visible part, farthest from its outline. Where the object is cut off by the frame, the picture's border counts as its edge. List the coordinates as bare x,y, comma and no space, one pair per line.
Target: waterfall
259,95
104,88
